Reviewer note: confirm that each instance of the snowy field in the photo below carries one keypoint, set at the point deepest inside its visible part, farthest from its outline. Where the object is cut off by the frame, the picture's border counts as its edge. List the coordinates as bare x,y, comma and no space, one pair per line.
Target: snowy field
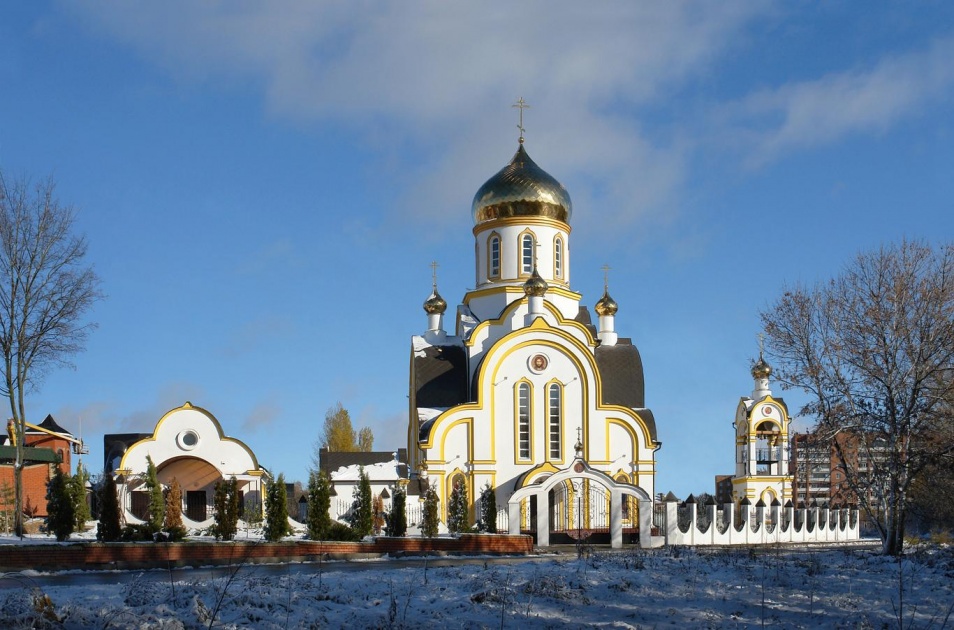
681,588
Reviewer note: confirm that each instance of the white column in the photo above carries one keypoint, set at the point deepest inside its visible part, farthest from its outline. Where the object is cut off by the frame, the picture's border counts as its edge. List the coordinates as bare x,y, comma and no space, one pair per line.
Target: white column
513,517
616,519
645,524
543,519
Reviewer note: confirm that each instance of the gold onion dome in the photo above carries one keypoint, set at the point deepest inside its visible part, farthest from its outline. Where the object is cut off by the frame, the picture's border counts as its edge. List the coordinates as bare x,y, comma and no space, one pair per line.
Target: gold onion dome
606,305
435,304
761,369
535,285
522,189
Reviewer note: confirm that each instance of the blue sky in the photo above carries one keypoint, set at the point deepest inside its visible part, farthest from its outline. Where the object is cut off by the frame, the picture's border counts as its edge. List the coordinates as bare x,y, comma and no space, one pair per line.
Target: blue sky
263,186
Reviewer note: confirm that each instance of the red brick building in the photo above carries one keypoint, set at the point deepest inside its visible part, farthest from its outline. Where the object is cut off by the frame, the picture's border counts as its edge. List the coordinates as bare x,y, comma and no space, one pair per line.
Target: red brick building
45,447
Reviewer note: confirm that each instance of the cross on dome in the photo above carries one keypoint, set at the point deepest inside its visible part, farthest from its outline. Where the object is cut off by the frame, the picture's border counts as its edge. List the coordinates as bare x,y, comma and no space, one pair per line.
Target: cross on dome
521,105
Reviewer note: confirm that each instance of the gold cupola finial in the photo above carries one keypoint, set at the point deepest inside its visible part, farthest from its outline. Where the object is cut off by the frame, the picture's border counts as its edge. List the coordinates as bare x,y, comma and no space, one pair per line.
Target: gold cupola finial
606,304
521,189
535,286
761,369
434,303
521,105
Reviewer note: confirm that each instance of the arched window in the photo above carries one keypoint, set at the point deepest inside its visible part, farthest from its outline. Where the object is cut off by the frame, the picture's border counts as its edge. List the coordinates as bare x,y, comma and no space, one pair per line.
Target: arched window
558,257
493,260
526,253
523,421
554,420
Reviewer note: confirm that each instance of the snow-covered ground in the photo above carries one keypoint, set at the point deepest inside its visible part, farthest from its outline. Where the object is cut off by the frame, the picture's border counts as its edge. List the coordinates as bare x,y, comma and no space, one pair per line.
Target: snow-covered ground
680,587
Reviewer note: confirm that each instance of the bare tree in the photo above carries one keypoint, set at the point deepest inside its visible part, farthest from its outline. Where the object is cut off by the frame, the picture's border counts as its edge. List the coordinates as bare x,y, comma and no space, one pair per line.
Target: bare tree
874,349
46,289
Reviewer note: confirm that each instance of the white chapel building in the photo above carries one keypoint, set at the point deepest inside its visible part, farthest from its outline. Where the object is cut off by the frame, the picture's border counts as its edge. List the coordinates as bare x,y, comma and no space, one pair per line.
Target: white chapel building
762,471
518,390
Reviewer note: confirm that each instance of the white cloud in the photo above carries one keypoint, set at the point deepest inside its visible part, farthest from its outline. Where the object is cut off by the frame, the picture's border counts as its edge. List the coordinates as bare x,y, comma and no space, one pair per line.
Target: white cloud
813,113
262,415
440,77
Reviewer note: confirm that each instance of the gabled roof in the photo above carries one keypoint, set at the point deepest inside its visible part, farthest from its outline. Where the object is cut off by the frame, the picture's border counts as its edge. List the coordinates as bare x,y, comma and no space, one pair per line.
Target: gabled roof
330,461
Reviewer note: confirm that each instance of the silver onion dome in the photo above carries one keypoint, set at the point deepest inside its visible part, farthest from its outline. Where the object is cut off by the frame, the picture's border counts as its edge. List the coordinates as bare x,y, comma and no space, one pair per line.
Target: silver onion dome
522,189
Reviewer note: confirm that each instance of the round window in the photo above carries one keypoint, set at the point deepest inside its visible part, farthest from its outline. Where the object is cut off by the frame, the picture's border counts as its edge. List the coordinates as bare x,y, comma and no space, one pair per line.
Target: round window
188,440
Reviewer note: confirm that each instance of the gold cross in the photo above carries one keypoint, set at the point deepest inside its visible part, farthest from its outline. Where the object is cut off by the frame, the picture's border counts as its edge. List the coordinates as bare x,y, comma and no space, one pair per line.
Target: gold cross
606,269
434,267
521,105
761,344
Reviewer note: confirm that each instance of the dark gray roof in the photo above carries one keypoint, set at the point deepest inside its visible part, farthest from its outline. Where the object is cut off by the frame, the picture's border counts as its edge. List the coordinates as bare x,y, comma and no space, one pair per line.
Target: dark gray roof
330,461
115,445
50,425
440,377
621,371
650,420
583,317
416,487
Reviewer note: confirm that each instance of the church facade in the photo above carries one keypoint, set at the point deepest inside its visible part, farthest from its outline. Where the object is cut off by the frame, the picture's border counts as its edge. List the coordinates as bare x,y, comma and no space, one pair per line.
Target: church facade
524,395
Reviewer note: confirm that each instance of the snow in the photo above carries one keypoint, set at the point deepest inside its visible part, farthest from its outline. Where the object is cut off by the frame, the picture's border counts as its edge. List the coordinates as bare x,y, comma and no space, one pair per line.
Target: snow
419,345
677,587
466,320
429,413
384,471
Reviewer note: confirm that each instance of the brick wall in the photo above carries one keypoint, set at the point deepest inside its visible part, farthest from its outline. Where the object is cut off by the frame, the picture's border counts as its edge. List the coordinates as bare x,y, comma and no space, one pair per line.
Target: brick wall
35,478
162,555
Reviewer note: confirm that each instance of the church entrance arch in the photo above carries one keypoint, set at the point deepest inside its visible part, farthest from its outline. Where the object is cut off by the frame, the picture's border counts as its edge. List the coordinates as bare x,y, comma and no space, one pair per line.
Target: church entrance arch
568,495
197,479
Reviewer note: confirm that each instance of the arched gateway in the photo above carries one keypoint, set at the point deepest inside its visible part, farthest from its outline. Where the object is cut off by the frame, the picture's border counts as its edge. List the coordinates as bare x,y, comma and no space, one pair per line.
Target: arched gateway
574,476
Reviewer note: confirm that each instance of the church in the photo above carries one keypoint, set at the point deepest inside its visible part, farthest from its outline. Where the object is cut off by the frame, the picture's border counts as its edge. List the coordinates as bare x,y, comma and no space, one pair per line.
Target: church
519,392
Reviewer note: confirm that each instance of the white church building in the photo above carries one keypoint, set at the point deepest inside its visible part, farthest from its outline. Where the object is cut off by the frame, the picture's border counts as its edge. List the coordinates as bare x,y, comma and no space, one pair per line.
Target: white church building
520,391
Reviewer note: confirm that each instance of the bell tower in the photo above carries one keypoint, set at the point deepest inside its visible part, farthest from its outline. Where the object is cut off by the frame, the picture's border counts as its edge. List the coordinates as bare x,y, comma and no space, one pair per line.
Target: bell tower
761,443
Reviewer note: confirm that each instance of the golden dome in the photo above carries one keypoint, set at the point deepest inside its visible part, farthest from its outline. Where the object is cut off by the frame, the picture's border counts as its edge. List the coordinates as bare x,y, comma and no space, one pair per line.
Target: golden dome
606,305
435,304
522,189
761,369
535,285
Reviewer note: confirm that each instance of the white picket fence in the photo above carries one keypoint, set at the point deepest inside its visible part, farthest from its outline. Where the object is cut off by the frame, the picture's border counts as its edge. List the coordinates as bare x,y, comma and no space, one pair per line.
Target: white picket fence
757,525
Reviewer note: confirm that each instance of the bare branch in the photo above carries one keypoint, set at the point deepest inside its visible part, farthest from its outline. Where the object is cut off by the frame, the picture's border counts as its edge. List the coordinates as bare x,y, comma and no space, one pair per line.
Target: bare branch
874,349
